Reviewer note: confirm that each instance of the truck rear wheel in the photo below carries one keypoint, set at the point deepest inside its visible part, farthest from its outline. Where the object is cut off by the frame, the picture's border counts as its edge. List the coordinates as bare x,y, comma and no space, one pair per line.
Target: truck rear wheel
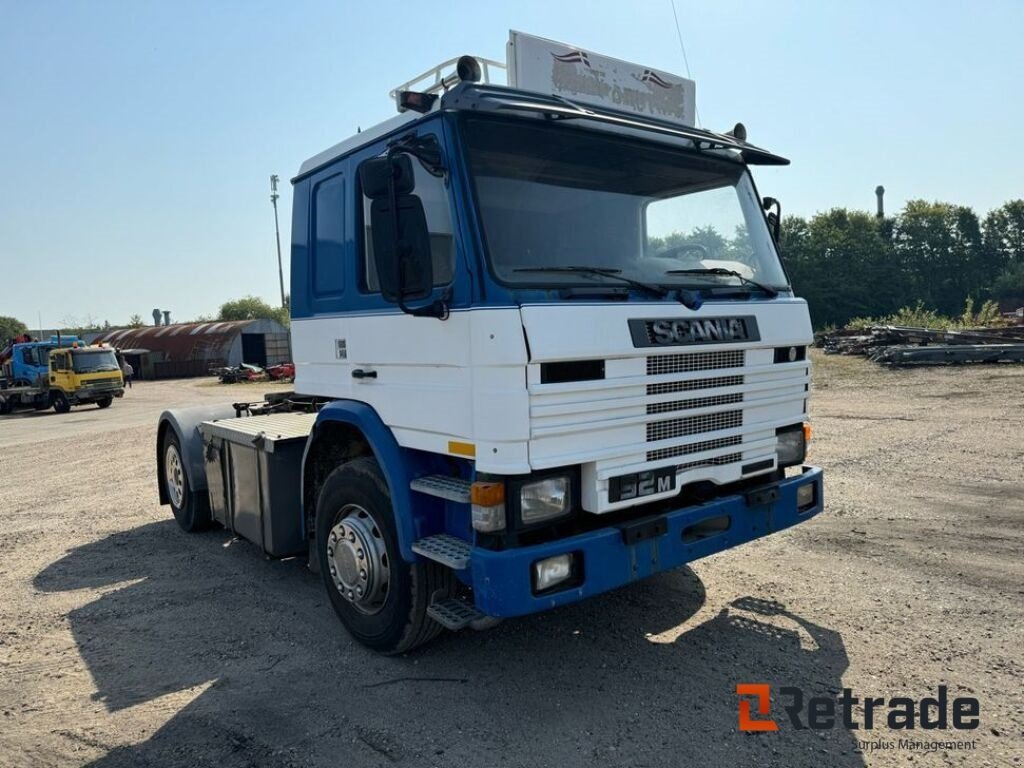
191,509
61,404
380,598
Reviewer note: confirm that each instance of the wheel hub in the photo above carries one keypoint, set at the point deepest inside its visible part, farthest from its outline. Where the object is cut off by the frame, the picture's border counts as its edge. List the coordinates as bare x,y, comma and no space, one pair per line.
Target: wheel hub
174,474
358,560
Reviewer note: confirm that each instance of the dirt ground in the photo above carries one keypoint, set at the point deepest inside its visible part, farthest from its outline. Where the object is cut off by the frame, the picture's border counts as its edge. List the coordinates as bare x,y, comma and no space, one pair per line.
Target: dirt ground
125,642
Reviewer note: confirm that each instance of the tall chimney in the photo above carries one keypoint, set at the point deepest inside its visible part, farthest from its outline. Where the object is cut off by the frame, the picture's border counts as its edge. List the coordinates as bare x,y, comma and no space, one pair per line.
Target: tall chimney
167,317
156,317
880,193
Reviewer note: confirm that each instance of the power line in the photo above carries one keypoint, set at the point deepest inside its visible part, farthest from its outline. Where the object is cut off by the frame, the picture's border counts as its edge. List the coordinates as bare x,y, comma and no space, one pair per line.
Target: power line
686,61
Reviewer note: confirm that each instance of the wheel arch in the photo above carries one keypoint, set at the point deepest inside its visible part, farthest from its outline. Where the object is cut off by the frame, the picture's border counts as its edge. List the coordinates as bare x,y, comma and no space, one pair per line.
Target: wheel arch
184,422
345,429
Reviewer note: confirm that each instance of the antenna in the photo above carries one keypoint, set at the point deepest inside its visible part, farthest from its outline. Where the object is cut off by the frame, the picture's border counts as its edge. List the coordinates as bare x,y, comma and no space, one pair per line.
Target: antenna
686,61
277,234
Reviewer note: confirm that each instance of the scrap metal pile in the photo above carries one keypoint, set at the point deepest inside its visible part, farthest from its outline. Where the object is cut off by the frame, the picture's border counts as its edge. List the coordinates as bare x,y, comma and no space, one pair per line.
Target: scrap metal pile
899,345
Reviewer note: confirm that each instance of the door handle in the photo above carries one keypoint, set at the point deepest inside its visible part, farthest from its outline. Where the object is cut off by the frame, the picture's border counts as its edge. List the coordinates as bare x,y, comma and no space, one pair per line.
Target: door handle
359,373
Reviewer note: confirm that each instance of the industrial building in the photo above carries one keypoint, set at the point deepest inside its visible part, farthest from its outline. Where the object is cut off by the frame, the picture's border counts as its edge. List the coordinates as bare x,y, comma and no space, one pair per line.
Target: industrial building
192,349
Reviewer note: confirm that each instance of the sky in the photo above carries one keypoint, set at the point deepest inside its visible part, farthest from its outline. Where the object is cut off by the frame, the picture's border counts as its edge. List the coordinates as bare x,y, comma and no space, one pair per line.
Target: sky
137,138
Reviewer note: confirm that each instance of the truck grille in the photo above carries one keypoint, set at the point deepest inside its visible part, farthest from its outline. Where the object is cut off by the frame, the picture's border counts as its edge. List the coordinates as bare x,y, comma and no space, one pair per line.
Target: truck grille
668,387
696,402
686,450
694,361
693,425
109,381
706,413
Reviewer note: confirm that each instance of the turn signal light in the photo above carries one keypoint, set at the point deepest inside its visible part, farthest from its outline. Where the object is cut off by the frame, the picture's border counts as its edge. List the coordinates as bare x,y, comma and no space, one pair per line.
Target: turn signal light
487,494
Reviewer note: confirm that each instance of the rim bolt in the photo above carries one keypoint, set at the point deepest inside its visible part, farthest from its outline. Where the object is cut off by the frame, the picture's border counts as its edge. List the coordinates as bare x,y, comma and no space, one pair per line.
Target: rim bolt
362,574
330,551
359,554
359,591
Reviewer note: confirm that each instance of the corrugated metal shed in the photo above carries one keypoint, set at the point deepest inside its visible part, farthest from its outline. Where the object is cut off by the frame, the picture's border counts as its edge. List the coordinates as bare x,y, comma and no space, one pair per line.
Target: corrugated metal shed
186,349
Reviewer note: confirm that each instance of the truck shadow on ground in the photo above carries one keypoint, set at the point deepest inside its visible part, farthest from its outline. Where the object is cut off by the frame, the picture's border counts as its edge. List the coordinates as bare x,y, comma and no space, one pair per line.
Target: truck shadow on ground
636,677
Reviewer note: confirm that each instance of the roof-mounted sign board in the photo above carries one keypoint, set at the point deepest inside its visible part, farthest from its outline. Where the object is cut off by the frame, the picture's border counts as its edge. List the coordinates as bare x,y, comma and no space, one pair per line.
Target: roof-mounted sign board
545,66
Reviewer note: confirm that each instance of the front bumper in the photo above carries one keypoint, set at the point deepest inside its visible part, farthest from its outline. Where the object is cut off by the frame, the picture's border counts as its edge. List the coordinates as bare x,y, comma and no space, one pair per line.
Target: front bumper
502,583
92,394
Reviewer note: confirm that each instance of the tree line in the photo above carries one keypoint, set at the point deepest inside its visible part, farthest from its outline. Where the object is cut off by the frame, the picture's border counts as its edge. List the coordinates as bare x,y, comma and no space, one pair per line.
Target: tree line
940,256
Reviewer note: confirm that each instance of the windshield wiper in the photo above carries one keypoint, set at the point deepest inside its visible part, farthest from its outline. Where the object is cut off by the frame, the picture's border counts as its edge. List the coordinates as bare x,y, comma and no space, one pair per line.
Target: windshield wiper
602,272
772,292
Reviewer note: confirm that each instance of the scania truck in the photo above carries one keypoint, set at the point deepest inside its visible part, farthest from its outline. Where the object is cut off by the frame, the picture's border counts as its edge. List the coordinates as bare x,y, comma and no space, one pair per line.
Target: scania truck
545,347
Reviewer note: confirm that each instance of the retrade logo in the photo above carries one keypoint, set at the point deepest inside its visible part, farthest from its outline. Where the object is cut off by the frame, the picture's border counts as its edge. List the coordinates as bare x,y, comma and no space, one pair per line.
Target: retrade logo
819,713
762,695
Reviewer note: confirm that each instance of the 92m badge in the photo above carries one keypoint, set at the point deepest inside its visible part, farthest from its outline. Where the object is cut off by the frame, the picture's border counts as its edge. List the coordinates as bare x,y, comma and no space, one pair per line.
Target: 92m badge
668,332
639,484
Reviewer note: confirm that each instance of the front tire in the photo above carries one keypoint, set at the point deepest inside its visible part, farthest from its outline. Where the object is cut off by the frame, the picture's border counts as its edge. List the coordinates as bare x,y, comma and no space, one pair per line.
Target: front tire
61,404
104,402
191,509
380,598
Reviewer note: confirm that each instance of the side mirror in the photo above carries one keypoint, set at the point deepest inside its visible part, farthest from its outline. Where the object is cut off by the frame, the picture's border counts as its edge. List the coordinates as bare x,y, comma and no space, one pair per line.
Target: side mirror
774,217
401,240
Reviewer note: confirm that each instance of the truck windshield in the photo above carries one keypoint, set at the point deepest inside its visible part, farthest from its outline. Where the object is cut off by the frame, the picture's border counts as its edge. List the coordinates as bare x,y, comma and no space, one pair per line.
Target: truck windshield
556,196
91,361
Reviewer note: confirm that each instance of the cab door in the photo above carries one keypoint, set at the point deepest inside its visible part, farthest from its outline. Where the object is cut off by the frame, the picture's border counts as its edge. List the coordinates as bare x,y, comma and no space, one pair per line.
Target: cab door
61,373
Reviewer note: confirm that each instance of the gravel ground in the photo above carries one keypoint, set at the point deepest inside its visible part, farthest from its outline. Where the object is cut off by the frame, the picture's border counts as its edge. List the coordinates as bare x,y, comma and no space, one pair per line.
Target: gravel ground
125,642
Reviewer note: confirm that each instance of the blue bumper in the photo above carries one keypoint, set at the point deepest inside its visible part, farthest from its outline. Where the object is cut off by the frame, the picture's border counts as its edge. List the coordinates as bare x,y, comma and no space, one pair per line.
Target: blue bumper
502,581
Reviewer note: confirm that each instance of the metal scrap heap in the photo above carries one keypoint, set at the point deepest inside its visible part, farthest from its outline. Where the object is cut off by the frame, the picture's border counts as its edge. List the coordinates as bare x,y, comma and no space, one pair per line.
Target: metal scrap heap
901,346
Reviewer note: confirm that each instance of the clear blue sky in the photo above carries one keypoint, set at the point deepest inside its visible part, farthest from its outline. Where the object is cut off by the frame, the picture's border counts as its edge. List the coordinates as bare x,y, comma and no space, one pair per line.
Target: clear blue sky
137,138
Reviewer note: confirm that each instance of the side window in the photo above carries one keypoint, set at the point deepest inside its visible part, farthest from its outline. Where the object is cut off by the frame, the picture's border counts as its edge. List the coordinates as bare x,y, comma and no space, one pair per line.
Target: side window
432,191
329,237
28,355
57,362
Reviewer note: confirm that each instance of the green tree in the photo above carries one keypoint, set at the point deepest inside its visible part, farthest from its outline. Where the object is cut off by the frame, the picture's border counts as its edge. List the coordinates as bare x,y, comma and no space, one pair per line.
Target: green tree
136,321
1004,234
9,328
1010,284
939,248
841,262
252,308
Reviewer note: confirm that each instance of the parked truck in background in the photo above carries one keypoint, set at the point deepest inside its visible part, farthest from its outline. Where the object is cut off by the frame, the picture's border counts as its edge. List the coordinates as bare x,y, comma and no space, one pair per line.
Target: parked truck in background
544,347
60,373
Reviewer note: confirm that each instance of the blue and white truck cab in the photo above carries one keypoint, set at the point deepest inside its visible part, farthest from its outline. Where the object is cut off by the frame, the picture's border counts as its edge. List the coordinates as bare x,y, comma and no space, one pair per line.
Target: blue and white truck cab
544,345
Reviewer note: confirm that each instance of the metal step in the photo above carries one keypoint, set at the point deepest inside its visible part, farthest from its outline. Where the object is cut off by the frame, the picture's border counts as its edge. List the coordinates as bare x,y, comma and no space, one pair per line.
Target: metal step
444,548
453,613
442,486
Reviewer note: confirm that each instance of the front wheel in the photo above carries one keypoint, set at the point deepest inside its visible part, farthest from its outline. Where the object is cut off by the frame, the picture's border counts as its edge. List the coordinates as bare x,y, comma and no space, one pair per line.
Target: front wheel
191,509
380,598
104,402
61,404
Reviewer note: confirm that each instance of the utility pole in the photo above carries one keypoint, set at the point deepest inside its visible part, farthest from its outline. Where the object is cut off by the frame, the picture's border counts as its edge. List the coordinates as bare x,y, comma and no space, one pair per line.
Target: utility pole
277,233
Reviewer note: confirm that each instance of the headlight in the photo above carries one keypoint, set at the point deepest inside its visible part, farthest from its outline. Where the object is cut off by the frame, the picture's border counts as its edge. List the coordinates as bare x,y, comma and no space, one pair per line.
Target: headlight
792,447
552,571
544,499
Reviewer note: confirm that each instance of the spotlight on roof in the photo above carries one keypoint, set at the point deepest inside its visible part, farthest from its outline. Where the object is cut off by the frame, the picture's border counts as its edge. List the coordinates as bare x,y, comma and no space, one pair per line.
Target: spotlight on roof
739,131
468,69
